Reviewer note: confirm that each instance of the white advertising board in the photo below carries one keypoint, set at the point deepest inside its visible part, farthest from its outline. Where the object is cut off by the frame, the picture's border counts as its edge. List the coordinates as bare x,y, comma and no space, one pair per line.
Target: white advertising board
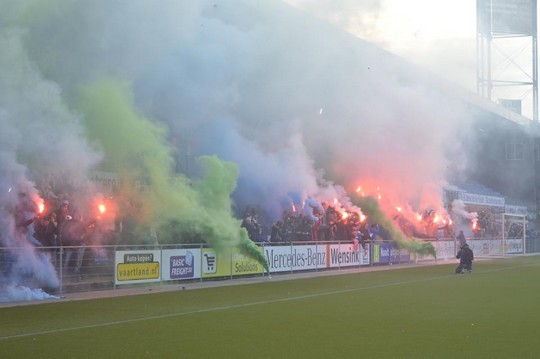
181,264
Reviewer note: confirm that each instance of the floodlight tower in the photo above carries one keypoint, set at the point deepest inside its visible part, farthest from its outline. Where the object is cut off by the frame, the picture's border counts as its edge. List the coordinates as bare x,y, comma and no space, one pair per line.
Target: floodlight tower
505,22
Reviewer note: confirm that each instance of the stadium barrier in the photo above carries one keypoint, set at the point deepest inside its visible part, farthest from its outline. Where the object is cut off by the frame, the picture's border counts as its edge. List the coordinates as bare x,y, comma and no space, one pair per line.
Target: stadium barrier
90,268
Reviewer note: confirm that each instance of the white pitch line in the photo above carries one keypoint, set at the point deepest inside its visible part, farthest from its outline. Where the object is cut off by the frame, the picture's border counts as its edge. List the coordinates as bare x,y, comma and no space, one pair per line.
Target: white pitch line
243,305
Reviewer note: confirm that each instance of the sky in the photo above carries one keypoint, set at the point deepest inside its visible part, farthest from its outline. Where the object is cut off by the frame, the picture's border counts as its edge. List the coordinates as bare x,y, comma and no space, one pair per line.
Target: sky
439,35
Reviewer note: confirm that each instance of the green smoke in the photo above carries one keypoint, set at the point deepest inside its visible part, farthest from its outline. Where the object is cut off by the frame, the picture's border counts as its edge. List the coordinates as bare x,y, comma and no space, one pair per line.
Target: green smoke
150,192
370,207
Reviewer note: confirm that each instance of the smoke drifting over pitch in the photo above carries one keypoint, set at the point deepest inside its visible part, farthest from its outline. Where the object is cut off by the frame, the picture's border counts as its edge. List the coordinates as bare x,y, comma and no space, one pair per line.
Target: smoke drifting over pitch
285,107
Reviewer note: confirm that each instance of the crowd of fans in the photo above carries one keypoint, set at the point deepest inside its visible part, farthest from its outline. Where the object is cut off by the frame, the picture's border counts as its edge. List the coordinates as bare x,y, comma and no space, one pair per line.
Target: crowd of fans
58,223
62,224
327,224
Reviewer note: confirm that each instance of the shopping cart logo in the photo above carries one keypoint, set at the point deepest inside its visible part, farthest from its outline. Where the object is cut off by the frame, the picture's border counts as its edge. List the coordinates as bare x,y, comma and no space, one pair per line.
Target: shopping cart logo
210,263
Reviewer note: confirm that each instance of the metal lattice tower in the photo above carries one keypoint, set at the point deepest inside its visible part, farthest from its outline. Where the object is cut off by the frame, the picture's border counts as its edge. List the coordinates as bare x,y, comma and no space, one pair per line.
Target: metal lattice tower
501,24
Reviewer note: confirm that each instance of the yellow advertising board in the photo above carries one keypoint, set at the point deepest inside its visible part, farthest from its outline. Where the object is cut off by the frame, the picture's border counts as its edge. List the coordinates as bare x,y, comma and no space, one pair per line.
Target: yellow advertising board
228,262
137,266
137,271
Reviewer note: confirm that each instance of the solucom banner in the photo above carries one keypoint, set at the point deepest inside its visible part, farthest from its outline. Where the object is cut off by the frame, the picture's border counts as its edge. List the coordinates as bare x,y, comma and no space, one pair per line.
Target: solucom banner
137,266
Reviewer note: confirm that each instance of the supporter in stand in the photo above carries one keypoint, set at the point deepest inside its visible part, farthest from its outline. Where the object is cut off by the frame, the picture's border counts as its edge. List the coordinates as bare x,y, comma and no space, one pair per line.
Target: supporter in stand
276,233
316,227
45,230
26,213
289,228
62,213
251,224
50,199
363,235
330,220
374,230
303,229
73,235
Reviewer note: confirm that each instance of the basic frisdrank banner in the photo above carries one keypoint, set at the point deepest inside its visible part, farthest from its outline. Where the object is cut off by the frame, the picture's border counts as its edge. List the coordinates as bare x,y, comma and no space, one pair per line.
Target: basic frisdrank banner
141,266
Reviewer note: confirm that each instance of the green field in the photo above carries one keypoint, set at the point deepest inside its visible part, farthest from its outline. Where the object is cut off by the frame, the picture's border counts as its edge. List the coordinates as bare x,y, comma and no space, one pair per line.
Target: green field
415,312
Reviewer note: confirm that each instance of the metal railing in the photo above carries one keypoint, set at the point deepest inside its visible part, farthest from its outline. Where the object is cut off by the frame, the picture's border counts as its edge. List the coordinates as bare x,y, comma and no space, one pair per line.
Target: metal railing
59,270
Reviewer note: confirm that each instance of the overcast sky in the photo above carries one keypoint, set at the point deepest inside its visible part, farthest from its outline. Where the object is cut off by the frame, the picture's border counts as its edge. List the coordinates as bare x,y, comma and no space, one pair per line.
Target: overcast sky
437,34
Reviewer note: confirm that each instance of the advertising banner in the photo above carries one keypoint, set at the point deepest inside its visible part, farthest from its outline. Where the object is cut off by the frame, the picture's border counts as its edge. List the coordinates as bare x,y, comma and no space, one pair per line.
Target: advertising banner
214,263
514,246
445,249
296,257
139,266
181,264
242,264
389,252
347,255
228,262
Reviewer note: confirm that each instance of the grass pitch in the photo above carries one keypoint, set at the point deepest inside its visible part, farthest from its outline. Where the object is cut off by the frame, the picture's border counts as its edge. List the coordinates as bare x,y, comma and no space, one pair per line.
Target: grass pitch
415,312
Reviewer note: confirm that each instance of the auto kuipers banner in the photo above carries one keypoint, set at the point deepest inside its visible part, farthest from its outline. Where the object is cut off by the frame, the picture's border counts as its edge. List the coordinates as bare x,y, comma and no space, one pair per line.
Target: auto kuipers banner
181,264
389,252
311,256
228,262
137,266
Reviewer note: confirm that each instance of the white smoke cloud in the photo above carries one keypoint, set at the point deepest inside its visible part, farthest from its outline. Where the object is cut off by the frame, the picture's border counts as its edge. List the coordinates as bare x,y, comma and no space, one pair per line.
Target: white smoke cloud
267,69
239,79
458,208
39,137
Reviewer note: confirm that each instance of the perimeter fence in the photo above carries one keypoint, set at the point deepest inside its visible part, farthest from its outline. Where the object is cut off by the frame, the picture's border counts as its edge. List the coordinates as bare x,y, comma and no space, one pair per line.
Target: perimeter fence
61,270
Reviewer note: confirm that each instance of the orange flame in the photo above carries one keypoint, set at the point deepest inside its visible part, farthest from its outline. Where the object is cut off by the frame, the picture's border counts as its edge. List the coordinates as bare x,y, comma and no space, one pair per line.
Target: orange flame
102,208
40,203
474,223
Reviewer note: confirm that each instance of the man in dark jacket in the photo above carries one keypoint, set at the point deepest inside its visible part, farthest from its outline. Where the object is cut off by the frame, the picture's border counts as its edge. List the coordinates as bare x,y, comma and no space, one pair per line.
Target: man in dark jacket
466,257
